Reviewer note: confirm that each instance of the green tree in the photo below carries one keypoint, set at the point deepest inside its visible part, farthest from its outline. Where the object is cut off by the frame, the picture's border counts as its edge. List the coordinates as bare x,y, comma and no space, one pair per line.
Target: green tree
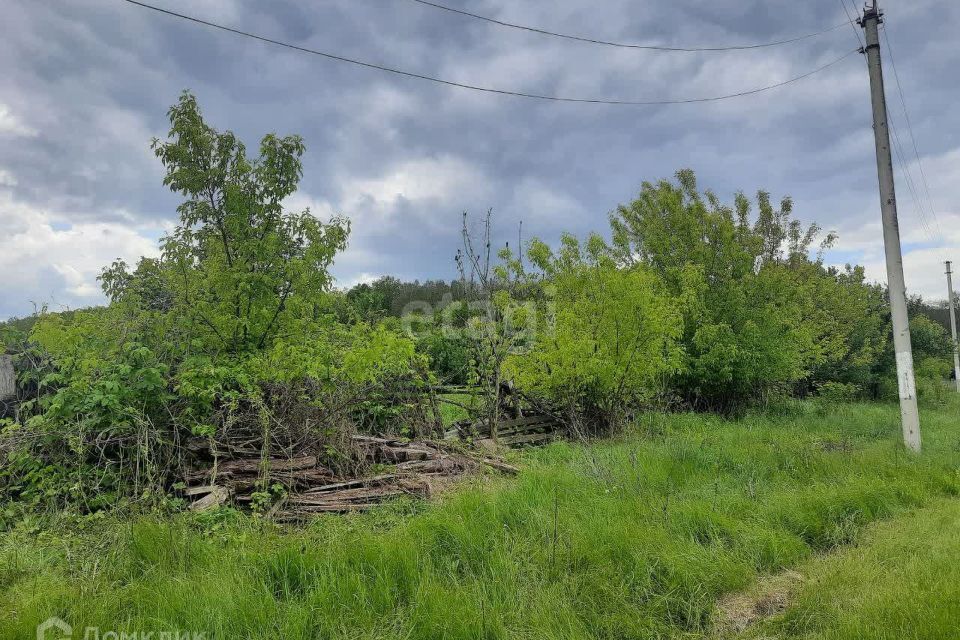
368,304
851,321
737,280
237,265
605,339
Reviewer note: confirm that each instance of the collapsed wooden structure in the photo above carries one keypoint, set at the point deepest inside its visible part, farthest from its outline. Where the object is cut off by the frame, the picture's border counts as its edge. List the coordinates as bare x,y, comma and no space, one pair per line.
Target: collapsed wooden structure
522,431
415,468
396,467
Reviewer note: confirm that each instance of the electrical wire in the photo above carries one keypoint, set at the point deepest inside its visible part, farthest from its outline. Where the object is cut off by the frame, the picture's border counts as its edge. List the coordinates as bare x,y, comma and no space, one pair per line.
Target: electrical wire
623,45
505,92
899,156
913,140
850,19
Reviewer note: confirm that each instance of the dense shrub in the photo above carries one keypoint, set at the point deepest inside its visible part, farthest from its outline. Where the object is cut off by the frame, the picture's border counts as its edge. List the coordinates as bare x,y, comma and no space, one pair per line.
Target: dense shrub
747,287
606,341
449,354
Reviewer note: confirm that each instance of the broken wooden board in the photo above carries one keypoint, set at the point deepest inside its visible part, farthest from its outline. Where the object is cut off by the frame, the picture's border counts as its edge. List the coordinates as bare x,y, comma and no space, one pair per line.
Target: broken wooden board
214,498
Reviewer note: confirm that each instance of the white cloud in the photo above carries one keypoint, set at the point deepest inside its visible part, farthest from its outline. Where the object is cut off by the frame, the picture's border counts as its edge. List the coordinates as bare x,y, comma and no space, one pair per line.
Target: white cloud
376,198
439,178
360,278
923,256
319,208
10,124
424,194
546,208
925,246
44,259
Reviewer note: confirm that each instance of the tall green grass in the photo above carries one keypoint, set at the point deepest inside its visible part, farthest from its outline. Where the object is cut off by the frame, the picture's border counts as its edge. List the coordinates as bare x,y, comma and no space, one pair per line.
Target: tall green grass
900,582
632,538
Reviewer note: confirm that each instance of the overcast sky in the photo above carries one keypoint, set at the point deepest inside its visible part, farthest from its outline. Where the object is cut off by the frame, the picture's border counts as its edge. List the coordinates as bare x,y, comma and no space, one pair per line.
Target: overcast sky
85,85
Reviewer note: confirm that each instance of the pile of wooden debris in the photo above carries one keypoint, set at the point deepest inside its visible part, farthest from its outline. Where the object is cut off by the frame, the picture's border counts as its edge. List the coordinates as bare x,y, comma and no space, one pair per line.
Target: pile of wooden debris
415,468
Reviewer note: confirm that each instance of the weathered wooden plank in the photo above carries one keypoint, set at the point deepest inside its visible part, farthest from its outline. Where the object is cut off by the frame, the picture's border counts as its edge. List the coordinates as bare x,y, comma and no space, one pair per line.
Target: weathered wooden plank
273,464
445,465
359,482
304,512
216,497
374,440
531,438
526,424
363,494
544,428
526,420
403,454
199,491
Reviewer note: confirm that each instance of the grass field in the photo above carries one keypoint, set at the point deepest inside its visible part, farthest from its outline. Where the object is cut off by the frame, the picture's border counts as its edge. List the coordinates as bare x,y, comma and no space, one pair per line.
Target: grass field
900,582
632,538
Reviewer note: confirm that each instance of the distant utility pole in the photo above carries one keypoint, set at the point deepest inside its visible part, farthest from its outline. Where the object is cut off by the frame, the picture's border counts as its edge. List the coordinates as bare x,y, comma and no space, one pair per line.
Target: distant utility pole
909,416
953,328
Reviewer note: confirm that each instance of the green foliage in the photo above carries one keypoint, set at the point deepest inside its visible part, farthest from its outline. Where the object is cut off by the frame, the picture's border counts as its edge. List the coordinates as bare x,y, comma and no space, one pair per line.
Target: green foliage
838,391
230,333
929,339
744,287
233,333
933,354
367,303
372,373
932,359
852,328
606,336
391,296
449,353
237,267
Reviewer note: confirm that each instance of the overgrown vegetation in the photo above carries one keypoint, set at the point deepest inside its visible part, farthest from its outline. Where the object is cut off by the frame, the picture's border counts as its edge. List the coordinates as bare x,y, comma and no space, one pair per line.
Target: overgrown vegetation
235,337
900,582
632,538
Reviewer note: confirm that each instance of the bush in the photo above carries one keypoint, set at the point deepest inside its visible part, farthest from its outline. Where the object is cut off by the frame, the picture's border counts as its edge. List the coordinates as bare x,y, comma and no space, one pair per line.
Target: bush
449,354
838,391
606,338
229,335
741,285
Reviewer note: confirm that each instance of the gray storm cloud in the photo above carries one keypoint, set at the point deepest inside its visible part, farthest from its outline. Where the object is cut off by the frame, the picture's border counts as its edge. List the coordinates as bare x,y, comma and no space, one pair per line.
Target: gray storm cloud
85,85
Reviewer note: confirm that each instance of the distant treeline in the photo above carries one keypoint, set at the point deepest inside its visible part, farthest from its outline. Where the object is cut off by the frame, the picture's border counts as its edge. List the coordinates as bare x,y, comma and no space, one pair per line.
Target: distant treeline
393,297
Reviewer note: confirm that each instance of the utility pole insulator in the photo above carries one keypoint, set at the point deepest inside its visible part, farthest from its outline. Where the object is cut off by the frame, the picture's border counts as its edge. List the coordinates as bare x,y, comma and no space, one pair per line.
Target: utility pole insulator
906,384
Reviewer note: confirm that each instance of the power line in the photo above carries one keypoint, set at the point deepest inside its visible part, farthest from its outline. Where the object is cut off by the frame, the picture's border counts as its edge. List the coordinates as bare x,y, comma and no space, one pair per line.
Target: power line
913,140
505,92
850,20
622,45
911,185
897,145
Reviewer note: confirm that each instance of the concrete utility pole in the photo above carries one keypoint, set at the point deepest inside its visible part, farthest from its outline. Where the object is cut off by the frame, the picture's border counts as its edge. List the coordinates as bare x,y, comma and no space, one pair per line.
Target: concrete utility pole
953,328
909,416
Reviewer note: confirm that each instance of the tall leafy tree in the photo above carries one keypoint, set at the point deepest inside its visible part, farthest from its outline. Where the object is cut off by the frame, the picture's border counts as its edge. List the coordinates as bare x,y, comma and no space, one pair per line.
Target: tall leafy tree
238,264
737,277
